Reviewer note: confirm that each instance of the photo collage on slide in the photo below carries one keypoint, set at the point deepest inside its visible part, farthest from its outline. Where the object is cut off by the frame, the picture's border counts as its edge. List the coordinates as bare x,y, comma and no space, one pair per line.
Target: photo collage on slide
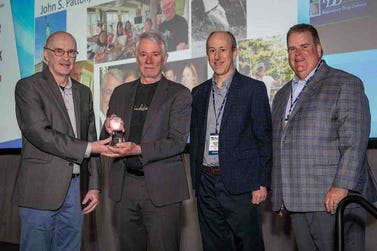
107,31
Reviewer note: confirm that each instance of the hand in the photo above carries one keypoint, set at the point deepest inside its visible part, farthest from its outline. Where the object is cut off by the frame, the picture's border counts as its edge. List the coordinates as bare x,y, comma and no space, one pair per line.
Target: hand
258,196
100,145
123,149
333,197
90,201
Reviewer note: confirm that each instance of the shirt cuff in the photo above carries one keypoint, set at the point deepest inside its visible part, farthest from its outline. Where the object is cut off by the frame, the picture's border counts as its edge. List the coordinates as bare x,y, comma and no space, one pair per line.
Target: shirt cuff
88,150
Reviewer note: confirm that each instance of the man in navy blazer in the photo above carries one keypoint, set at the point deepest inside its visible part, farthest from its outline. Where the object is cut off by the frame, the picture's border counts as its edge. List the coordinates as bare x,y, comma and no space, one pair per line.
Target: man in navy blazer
230,151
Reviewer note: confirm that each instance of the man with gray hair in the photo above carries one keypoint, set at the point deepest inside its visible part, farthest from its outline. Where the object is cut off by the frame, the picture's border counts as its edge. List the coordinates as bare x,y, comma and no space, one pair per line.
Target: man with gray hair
147,176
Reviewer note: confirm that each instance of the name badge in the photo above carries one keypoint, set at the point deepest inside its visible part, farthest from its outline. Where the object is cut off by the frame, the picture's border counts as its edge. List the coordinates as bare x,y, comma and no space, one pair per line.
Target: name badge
213,144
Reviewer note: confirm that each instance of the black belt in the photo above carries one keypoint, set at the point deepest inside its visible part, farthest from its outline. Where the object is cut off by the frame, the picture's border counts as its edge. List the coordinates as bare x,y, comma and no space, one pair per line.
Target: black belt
135,172
215,170
75,175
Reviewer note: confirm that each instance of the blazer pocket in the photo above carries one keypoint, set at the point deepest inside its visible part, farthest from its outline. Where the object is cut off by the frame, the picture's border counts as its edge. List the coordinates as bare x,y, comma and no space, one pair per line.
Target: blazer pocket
32,155
37,160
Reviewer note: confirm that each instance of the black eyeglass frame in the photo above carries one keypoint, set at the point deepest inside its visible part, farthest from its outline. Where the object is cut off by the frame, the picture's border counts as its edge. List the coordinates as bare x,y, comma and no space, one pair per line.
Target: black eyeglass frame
60,52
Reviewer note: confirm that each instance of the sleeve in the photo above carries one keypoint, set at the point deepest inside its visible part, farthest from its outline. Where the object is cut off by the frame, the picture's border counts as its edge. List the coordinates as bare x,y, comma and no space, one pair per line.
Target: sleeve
94,167
353,127
262,129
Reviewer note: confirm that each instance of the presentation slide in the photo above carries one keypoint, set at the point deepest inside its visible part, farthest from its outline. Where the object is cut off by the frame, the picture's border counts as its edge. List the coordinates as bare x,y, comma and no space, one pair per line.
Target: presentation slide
348,32
9,74
106,33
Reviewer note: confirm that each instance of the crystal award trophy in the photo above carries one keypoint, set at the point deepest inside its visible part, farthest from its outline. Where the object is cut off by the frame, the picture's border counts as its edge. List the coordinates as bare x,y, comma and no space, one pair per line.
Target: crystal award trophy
116,125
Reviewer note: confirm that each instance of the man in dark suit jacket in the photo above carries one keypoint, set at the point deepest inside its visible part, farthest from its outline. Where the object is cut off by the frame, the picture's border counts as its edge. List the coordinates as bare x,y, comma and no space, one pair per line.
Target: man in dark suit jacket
230,149
147,177
321,124
56,118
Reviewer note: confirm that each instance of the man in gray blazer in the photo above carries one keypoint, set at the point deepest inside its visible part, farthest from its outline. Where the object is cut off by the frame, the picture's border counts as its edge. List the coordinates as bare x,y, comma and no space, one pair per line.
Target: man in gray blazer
321,125
147,176
55,115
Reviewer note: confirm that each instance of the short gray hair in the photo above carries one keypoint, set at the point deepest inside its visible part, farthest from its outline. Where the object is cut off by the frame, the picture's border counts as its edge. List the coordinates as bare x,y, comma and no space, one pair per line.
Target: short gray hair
153,36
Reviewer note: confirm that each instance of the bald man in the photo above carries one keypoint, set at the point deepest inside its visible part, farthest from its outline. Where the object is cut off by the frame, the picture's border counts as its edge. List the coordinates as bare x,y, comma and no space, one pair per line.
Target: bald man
56,119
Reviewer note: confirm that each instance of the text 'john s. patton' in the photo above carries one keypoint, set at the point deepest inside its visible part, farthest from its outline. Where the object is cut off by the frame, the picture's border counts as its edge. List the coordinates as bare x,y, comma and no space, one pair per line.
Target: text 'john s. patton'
60,5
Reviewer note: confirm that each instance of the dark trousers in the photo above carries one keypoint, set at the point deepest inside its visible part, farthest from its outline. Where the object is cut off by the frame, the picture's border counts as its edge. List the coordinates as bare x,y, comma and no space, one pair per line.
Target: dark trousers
227,221
315,231
141,223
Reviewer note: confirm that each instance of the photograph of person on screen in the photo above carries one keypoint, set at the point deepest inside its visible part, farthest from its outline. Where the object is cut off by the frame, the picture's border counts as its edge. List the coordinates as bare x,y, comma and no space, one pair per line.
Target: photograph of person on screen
263,59
173,27
189,72
121,29
211,15
110,80
189,76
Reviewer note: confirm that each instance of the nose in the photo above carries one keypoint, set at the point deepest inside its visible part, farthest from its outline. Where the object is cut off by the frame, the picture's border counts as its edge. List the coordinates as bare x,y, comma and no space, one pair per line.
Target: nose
216,54
148,59
298,51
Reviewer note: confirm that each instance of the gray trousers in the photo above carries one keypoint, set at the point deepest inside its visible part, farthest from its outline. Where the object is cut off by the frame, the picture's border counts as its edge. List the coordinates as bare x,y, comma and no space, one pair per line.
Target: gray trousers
315,231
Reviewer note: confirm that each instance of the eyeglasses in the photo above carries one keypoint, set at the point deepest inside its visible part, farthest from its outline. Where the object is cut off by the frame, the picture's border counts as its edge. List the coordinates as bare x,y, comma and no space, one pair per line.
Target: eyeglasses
60,52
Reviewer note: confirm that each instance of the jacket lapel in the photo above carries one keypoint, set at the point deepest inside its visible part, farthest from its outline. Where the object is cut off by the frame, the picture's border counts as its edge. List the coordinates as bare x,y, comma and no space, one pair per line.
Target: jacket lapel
312,88
233,96
281,106
53,88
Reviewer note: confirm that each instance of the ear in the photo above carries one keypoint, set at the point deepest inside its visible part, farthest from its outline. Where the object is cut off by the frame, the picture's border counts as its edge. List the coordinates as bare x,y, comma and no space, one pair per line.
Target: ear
165,59
235,53
44,57
319,50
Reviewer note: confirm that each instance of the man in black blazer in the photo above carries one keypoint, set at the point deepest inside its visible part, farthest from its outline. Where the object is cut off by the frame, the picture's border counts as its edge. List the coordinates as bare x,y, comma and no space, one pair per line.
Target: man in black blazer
56,118
147,177
230,151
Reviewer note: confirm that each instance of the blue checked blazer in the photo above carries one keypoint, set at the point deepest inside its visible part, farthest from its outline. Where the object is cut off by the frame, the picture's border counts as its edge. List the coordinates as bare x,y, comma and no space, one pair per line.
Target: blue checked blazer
324,143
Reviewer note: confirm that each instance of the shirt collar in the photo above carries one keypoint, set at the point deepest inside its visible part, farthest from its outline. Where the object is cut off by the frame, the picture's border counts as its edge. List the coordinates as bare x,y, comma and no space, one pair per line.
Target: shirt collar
69,84
226,82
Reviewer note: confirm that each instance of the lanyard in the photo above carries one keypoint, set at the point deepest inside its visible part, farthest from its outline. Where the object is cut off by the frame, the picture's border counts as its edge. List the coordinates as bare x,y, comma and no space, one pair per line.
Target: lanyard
293,102
217,115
